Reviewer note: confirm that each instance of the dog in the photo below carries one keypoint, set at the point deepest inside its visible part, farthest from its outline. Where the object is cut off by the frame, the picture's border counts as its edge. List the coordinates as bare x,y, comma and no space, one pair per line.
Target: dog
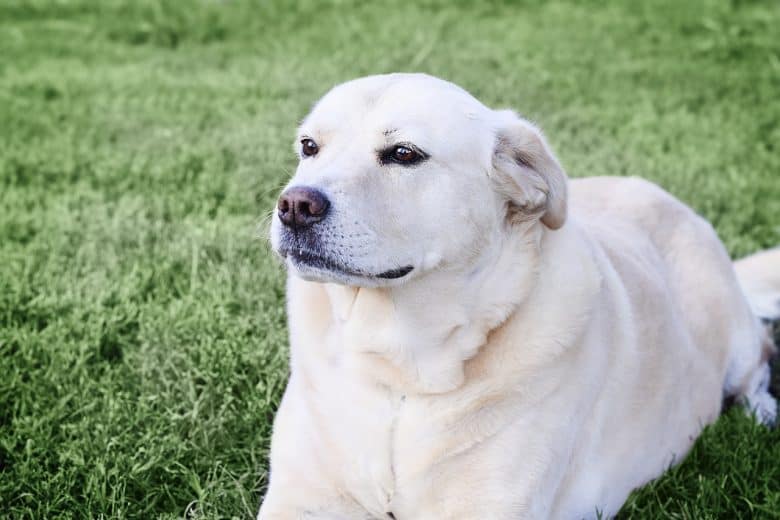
473,336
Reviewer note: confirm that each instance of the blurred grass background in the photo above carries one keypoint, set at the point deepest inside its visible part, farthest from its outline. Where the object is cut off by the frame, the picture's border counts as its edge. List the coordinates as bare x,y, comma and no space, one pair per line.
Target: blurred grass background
142,331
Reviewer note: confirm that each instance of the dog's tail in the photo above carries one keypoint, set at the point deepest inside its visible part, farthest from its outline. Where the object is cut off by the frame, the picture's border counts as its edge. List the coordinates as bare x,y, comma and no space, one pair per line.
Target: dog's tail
759,276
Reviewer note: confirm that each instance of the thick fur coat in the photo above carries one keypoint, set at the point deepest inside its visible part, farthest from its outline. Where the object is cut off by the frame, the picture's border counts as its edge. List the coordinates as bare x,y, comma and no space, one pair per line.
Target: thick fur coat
474,336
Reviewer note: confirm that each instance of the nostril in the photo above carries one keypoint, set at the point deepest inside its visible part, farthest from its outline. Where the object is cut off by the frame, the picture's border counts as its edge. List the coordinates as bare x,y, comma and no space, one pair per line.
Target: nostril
317,206
283,205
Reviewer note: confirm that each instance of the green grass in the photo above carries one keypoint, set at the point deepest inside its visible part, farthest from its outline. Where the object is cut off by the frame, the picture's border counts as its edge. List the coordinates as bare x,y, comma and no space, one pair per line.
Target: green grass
142,333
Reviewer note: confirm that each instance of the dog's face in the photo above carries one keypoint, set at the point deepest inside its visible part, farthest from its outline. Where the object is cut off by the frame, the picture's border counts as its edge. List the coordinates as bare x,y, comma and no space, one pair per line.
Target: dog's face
404,173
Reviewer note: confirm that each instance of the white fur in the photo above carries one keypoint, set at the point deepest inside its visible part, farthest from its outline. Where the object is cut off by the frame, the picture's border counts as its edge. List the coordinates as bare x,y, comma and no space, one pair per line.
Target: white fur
759,276
552,349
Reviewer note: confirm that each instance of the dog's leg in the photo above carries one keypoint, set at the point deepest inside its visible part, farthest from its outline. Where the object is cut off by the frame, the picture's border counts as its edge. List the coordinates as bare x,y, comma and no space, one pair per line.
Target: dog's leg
756,397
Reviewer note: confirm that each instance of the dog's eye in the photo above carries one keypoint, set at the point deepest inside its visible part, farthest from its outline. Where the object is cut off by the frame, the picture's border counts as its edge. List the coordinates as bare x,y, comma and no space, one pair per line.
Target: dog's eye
309,147
402,154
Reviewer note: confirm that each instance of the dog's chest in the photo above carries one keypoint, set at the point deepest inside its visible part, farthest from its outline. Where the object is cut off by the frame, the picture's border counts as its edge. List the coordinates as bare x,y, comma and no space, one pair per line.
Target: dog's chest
384,446
371,430
380,440
359,439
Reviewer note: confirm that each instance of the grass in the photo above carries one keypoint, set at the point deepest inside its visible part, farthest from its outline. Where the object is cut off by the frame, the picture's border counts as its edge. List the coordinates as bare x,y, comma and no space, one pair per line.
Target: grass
142,333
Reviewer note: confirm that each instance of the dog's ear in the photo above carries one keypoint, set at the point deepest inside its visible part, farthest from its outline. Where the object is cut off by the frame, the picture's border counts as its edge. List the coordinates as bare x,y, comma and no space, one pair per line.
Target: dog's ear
527,172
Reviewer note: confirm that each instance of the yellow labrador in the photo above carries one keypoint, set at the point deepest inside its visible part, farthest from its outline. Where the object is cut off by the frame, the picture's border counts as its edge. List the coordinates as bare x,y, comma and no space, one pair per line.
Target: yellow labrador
472,336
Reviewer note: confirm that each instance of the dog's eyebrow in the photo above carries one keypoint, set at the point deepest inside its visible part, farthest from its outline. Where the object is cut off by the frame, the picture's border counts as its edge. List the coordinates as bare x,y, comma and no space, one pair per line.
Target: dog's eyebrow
390,131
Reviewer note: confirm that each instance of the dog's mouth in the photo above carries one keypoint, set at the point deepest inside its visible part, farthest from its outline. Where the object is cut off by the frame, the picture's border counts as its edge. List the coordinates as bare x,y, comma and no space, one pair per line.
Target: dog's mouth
395,273
306,262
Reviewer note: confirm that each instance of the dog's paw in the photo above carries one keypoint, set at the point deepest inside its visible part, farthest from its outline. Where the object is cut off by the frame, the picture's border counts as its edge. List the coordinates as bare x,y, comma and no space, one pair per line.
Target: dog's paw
757,400
764,408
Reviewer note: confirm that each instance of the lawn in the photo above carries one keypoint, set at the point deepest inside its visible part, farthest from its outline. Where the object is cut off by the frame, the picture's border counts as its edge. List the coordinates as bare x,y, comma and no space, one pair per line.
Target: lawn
142,144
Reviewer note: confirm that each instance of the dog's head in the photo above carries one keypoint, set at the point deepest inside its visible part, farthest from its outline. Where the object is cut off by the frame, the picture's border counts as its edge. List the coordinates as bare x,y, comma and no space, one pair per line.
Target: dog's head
403,174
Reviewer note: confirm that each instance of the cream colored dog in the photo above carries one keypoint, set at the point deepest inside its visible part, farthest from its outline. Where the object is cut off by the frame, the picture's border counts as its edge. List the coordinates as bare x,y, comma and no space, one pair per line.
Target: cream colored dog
474,337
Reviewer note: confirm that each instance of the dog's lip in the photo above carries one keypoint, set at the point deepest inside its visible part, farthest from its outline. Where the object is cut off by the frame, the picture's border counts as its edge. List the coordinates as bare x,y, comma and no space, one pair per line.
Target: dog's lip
309,259
396,273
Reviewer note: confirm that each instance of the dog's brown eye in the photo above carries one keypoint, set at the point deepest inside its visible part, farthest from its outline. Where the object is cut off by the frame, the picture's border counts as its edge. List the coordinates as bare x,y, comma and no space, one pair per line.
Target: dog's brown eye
404,154
309,147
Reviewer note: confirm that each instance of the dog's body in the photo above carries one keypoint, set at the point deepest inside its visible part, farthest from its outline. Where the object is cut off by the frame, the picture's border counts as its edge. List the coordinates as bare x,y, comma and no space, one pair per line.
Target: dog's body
534,370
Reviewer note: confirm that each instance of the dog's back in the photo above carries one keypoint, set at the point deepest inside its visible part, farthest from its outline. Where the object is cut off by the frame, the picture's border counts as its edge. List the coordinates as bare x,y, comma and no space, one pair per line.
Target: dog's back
712,300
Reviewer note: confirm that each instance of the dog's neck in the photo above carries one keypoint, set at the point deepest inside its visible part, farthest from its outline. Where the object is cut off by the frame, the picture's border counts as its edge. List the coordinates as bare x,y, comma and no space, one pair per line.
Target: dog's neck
417,337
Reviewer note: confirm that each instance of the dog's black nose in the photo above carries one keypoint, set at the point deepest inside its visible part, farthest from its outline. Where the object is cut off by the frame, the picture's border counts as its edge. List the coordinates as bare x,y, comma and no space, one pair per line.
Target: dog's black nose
301,206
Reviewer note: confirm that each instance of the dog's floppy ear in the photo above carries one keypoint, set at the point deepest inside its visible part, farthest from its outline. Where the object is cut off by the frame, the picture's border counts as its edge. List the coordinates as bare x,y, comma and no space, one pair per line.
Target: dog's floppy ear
527,172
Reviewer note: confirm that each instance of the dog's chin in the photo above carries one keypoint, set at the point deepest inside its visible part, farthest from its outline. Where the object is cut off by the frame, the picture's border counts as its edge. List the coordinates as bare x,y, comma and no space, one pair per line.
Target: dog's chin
317,270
